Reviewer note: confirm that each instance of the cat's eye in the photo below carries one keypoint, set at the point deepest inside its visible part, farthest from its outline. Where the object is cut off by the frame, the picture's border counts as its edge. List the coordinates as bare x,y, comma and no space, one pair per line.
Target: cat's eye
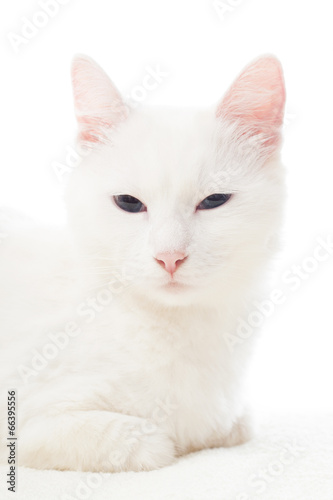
129,203
213,201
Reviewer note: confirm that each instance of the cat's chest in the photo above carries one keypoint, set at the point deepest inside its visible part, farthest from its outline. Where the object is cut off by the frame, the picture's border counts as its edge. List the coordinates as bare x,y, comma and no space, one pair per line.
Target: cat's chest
187,393
179,345
175,374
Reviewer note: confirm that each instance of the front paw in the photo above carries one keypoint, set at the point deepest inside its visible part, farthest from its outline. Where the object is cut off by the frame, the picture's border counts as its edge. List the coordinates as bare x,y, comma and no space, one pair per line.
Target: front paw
241,432
140,449
95,441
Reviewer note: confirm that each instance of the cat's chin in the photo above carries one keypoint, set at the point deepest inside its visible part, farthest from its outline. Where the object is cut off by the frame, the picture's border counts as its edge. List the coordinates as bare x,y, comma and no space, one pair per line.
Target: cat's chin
174,293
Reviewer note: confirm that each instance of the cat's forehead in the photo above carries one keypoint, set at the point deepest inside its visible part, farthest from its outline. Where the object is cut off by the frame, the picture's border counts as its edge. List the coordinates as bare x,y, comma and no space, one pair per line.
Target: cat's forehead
169,147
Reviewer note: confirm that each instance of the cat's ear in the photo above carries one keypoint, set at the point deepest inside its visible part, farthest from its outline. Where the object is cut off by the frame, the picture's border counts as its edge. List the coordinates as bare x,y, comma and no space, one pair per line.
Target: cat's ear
256,100
98,104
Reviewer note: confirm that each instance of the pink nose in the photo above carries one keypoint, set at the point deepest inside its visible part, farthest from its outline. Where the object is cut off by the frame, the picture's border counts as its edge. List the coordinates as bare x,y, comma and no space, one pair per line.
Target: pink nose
170,261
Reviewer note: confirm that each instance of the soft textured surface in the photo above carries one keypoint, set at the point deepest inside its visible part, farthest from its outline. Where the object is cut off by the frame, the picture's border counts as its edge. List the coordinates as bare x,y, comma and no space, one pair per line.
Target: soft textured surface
306,473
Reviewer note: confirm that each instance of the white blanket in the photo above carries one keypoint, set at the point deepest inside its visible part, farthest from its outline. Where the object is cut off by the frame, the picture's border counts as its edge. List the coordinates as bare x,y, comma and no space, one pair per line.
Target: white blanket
291,458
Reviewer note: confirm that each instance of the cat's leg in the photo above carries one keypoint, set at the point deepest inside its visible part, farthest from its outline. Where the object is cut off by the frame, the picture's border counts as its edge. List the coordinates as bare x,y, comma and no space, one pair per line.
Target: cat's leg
94,441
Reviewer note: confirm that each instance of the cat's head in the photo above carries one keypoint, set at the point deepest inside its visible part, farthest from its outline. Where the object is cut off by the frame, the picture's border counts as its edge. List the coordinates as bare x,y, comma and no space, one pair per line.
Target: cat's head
178,205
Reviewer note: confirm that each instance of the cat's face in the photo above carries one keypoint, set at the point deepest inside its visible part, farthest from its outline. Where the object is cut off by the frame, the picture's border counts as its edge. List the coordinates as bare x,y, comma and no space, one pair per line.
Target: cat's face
177,205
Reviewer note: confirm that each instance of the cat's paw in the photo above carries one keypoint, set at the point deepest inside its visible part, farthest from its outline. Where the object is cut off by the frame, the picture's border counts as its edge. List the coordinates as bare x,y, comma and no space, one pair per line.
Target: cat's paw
141,451
241,432
95,441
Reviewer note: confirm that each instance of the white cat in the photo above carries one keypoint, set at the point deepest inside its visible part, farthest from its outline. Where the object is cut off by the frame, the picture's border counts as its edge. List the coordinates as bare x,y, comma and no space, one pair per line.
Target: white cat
119,332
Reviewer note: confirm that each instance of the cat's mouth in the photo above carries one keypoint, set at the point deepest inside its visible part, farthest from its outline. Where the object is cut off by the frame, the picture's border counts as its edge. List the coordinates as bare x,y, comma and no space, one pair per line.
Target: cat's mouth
174,285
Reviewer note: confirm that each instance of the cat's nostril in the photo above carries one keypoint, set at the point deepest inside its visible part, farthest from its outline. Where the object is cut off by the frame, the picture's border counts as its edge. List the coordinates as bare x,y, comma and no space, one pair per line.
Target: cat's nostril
170,260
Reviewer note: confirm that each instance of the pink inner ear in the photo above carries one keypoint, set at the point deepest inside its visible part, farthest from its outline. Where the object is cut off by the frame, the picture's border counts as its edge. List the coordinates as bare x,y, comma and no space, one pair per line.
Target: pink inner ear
98,104
256,99
90,128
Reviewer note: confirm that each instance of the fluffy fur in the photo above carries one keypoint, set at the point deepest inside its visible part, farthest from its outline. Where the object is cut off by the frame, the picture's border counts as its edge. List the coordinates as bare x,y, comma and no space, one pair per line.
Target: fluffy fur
118,365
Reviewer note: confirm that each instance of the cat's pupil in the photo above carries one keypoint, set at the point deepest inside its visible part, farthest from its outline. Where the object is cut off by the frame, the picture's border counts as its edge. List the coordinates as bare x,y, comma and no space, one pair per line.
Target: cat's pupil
213,201
129,203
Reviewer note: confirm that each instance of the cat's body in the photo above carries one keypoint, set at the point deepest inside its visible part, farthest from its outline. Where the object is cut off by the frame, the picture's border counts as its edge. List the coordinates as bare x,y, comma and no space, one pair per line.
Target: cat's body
137,308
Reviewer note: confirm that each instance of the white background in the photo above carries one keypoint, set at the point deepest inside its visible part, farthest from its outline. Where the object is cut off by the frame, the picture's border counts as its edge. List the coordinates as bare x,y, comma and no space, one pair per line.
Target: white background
202,52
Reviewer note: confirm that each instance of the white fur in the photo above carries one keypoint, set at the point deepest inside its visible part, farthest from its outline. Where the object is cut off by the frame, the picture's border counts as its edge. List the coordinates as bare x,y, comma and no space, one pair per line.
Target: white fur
149,375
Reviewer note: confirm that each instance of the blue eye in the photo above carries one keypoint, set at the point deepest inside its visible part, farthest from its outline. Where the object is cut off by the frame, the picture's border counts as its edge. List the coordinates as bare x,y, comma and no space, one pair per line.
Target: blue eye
213,201
129,203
